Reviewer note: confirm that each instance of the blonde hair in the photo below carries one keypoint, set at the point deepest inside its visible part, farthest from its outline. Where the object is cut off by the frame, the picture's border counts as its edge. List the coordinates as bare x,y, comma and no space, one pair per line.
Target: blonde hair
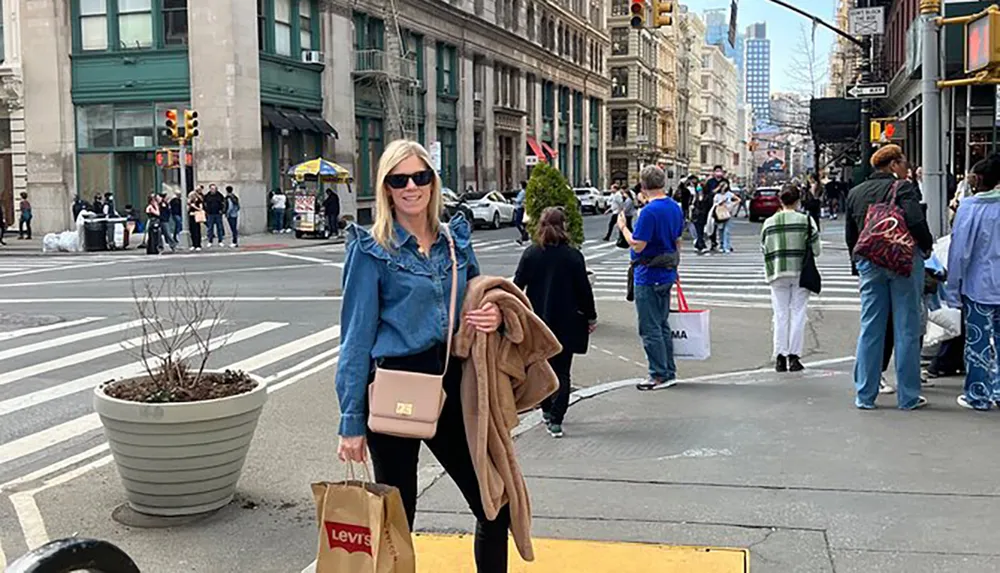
395,153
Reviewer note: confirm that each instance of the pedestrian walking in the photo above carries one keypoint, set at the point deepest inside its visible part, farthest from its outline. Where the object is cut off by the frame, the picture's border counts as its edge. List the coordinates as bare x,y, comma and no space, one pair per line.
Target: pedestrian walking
166,237
617,202
723,204
519,200
813,200
152,225
655,258
973,280
196,216
331,212
554,276
215,209
397,288
24,224
701,212
278,202
3,225
176,216
785,237
883,289
233,214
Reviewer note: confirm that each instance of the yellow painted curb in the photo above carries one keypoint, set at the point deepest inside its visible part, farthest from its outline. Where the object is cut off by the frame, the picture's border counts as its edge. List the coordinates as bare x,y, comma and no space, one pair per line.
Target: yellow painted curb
453,554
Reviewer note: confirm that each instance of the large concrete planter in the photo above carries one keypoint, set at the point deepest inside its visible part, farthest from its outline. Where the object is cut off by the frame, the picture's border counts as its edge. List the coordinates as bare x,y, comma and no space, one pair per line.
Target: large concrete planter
184,458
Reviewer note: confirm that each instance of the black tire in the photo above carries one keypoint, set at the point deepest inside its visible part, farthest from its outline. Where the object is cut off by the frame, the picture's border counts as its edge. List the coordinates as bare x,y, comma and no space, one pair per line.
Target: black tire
298,234
496,219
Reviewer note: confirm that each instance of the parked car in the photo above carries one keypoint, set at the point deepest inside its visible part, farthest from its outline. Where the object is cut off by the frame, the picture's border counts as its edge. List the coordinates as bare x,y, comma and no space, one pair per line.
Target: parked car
590,200
765,203
454,205
489,208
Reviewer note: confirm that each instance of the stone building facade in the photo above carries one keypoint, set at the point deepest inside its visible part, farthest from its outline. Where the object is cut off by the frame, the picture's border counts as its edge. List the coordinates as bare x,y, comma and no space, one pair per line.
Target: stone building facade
486,84
719,127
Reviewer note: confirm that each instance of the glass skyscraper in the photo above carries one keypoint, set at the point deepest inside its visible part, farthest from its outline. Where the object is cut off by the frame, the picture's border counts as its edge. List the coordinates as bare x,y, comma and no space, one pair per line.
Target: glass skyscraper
717,34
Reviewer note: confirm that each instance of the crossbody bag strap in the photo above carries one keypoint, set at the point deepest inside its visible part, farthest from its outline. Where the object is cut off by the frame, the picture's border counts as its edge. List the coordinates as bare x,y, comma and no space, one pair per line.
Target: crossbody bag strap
454,294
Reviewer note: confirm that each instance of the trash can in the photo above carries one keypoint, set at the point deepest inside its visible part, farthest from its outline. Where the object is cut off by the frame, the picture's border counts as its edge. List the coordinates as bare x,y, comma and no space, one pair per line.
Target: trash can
95,235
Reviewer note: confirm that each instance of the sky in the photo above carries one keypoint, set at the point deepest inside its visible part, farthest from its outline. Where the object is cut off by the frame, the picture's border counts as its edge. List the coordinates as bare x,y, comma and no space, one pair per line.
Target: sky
783,27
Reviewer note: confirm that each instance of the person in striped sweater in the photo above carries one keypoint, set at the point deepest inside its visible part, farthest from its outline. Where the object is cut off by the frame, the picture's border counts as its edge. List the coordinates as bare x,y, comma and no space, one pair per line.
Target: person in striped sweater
784,239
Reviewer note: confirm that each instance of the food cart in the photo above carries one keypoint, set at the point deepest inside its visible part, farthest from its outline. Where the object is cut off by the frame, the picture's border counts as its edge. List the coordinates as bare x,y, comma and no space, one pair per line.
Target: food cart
311,178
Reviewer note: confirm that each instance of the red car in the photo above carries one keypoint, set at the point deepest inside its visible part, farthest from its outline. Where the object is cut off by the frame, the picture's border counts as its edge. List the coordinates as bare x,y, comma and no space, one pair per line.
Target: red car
764,203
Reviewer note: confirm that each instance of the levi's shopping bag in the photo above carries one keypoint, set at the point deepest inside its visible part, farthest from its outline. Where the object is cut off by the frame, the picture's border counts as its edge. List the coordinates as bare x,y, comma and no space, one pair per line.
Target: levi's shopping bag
691,330
362,528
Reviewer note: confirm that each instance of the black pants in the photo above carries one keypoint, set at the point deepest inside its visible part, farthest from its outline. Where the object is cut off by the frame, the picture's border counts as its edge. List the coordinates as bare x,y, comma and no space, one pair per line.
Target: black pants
699,230
395,460
557,404
195,228
24,229
153,237
612,223
3,229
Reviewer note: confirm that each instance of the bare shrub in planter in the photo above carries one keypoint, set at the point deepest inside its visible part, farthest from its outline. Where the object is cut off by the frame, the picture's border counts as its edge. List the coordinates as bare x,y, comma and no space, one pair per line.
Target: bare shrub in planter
180,432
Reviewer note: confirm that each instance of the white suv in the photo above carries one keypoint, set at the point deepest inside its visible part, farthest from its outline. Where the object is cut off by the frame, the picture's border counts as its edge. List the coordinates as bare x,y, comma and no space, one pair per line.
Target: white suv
590,200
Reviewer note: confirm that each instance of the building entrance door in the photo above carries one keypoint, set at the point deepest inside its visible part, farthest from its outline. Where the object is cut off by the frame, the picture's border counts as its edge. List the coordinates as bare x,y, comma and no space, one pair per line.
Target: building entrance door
135,180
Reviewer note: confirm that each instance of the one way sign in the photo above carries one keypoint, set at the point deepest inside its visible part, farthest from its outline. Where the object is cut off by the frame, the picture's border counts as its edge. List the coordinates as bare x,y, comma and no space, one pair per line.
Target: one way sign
866,91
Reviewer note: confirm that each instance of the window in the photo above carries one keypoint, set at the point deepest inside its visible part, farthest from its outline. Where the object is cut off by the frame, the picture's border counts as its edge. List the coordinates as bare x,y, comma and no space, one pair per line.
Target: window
619,126
95,126
446,69
94,24
619,82
305,25
619,8
133,127
135,24
1,36
175,22
531,22
283,27
619,41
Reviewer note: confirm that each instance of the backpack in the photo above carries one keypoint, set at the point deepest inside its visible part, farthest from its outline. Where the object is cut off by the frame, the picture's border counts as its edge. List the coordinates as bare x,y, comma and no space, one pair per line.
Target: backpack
885,239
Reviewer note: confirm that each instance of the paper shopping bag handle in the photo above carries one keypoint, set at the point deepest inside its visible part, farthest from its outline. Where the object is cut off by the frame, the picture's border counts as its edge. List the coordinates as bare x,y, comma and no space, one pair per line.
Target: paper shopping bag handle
682,303
349,474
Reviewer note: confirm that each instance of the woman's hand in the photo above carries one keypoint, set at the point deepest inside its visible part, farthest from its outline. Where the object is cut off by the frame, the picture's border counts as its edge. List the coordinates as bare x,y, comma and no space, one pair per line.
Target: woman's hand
621,220
485,319
352,449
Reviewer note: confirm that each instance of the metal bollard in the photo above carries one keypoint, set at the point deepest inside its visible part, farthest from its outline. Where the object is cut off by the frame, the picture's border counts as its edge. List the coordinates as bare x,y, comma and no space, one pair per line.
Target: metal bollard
75,554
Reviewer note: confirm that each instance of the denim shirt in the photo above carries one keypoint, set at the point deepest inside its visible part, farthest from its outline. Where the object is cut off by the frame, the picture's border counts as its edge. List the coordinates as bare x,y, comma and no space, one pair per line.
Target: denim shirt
395,304
974,253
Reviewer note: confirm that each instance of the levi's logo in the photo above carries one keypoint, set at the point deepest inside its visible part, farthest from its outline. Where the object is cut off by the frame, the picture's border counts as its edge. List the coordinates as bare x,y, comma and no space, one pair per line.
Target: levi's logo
350,538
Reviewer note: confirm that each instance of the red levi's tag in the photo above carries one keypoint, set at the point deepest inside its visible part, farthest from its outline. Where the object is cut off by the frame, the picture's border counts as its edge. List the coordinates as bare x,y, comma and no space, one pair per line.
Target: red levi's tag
350,538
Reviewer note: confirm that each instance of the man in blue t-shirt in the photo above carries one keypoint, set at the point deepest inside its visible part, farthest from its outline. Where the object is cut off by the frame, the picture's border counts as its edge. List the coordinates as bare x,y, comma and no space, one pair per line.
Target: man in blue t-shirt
655,256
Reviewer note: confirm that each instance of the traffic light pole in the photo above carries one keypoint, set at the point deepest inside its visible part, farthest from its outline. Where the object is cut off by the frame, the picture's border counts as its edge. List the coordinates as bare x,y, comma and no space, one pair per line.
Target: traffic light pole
931,146
182,165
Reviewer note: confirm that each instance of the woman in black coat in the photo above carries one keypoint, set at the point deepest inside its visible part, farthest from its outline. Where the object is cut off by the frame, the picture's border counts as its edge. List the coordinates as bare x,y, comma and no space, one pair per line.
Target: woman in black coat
554,276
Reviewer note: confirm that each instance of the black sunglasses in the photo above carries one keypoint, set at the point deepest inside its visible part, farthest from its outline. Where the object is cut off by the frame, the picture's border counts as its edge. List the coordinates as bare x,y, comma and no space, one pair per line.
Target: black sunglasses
399,180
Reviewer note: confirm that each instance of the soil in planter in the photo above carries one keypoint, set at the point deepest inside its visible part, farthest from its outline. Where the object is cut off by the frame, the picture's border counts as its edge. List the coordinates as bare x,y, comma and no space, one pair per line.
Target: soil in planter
161,389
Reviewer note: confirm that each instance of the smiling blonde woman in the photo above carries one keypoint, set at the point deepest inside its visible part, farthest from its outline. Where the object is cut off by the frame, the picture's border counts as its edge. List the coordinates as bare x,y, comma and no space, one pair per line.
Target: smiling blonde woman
394,314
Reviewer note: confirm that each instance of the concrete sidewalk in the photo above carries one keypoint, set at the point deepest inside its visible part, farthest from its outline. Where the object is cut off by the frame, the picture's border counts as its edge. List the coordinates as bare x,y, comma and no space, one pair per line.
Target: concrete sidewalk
783,465
33,247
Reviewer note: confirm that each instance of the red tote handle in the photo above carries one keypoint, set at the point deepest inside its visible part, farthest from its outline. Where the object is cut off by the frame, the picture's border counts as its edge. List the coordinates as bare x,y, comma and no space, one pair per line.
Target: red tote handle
682,303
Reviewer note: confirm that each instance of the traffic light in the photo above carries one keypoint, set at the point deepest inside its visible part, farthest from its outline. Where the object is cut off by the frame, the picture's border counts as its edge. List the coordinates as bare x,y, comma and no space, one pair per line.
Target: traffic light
190,124
663,13
875,132
165,158
172,124
982,42
637,8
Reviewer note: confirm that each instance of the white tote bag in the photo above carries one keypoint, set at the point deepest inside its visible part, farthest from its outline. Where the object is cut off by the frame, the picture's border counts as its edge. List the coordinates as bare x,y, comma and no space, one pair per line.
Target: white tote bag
691,330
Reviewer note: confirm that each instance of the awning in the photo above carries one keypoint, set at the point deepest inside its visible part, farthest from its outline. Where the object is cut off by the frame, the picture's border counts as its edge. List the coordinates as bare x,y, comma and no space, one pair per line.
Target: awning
549,151
535,149
321,124
275,118
299,120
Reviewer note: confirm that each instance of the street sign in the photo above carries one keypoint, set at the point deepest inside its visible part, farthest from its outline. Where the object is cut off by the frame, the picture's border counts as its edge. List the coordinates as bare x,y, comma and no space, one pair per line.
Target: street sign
866,21
868,91
530,160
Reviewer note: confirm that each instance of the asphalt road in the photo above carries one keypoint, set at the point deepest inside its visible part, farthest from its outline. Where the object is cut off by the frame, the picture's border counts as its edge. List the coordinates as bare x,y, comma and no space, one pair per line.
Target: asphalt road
63,321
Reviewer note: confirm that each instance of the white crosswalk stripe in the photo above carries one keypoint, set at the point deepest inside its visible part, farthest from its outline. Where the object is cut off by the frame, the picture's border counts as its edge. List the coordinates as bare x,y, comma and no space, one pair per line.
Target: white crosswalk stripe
735,279
47,374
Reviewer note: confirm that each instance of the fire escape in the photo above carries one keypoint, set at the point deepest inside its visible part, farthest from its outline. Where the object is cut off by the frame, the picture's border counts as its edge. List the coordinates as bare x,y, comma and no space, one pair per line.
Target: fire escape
393,72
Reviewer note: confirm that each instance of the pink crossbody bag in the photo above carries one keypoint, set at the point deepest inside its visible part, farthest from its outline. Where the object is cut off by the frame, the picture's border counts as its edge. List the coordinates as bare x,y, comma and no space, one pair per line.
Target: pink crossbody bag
409,404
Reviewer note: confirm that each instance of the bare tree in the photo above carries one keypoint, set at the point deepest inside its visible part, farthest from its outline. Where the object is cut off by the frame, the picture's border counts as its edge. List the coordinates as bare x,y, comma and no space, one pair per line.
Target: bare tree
807,70
178,321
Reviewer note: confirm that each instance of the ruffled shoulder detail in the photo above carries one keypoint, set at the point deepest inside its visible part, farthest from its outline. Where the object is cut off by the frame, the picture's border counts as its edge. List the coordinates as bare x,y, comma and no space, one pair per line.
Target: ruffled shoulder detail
461,230
361,238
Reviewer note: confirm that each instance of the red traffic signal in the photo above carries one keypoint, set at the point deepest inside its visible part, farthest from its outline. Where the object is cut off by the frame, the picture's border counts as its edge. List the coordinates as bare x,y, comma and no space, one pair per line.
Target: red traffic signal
637,8
982,42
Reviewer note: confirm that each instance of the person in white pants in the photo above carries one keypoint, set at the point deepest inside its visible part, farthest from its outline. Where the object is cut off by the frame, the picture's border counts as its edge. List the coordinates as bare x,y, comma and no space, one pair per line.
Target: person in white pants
785,237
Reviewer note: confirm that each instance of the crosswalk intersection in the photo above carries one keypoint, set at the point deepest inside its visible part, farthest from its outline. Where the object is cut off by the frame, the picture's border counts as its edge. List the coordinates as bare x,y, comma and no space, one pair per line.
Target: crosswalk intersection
48,372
